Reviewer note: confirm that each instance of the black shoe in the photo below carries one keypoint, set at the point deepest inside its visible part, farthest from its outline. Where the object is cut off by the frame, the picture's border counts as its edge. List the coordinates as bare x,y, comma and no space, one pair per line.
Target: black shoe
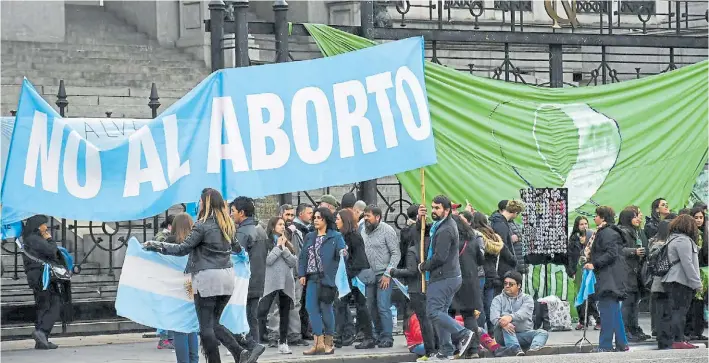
40,339
359,337
508,352
307,336
366,343
273,343
49,345
465,338
348,340
385,343
253,354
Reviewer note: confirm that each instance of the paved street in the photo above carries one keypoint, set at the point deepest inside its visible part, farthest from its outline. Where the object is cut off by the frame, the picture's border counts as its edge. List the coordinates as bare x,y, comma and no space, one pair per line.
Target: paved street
133,348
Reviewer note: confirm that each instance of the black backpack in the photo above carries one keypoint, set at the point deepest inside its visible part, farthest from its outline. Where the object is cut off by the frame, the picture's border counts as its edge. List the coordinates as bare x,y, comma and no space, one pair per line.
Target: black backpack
659,261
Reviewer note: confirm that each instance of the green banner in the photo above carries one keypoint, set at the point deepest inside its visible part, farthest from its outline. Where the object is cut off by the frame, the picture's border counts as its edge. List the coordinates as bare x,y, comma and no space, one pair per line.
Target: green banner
619,144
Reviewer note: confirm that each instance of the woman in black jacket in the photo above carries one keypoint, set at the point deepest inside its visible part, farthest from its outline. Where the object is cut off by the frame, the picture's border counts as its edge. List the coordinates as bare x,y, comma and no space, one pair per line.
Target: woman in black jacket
412,276
498,260
37,242
209,246
608,265
468,300
357,262
694,327
633,251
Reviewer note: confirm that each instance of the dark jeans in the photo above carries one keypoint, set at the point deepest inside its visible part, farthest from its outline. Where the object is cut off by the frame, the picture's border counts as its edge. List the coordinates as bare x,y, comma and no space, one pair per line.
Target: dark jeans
48,304
592,310
695,319
488,295
322,315
252,304
629,310
439,297
211,332
284,305
418,305
186,347
303,312
674,316
379,303
612,326
663,319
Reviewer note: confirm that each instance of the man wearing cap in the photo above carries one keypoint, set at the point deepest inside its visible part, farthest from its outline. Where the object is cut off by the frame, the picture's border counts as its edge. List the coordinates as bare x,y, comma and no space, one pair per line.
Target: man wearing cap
329,202
511,315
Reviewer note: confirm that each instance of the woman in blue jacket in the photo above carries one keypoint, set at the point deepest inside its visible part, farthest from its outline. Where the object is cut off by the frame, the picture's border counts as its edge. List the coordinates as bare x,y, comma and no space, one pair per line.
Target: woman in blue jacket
317,266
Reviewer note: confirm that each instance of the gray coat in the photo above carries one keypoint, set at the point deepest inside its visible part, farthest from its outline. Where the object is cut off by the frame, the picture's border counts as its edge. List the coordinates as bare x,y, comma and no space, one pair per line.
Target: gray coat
279,272
682,249
253,239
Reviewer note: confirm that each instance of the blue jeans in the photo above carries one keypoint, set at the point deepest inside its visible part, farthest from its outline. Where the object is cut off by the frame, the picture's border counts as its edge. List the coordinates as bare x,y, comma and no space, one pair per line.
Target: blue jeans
186,347
322,316
531,339
379,306
609,309
439,296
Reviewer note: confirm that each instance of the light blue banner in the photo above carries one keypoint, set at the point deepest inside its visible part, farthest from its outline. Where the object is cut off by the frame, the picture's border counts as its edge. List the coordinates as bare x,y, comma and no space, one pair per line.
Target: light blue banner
252,131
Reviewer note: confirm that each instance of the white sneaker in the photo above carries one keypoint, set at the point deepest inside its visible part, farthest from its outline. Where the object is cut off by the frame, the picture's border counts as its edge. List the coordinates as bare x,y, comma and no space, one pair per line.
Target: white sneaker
284,349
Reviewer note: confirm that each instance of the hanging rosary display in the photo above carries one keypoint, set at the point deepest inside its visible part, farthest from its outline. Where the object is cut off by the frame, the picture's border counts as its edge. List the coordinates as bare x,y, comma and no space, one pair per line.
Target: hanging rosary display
545,221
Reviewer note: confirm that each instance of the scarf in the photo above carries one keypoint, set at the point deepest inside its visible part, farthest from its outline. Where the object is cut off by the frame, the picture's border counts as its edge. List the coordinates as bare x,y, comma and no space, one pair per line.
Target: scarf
434,229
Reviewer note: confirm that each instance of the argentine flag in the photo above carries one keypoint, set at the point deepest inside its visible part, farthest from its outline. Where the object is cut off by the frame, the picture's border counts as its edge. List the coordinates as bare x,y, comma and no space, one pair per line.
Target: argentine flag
154,291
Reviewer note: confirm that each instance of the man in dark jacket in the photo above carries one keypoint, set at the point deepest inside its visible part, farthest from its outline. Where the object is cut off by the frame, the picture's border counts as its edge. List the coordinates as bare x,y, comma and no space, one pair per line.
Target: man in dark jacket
253,238
500,223
442,269
48,302
302,221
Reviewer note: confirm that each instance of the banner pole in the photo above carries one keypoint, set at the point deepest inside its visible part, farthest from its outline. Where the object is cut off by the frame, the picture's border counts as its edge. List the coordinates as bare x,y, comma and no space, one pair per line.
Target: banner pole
423,228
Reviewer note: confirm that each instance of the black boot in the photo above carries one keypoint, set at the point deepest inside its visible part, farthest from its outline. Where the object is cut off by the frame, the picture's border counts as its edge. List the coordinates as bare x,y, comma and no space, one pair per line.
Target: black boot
40,339
367,343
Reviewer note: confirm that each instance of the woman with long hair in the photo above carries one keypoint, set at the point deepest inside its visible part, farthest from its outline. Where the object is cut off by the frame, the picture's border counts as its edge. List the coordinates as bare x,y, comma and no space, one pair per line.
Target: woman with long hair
209,246
317,267
580,236
694,329
356,262
279,285
495,252
186,344
608,266
681,282
633,252
468,299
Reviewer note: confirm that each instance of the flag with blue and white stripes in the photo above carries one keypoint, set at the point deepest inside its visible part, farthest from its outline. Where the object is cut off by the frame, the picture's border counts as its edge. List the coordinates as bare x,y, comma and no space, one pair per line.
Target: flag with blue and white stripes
153,291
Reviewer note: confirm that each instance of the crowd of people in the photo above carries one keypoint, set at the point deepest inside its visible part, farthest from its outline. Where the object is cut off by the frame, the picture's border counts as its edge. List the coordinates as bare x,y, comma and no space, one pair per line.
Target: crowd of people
460,292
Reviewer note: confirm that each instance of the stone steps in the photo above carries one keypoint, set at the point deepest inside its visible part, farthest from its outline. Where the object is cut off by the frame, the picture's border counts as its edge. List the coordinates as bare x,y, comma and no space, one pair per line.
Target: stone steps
107,50
58,68
29,60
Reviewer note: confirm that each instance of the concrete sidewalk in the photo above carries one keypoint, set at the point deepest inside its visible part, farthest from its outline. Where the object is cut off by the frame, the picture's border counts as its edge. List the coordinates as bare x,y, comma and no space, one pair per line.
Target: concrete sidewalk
134,348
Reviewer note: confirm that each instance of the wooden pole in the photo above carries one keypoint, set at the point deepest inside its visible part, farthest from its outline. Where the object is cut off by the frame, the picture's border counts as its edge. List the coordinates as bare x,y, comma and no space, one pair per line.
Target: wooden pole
423,229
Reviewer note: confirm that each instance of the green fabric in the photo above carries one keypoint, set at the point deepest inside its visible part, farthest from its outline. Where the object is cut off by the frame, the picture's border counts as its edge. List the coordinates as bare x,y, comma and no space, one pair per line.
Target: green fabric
646,138
557,283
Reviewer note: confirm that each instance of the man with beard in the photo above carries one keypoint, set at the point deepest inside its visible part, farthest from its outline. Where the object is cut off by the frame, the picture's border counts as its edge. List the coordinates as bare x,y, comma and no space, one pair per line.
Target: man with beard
443,276
303,218
382,249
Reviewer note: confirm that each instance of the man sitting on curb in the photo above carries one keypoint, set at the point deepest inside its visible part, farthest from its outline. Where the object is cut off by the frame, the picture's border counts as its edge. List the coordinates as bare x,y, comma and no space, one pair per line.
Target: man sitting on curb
511,315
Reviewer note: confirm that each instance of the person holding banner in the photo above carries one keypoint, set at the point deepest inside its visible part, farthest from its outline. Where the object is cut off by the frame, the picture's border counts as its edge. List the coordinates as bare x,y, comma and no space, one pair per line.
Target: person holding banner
209,247
442,271
40,252
317,267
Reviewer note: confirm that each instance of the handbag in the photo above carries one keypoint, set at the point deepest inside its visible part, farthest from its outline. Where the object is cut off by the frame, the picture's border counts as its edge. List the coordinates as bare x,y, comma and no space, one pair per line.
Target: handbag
56,272
326,294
